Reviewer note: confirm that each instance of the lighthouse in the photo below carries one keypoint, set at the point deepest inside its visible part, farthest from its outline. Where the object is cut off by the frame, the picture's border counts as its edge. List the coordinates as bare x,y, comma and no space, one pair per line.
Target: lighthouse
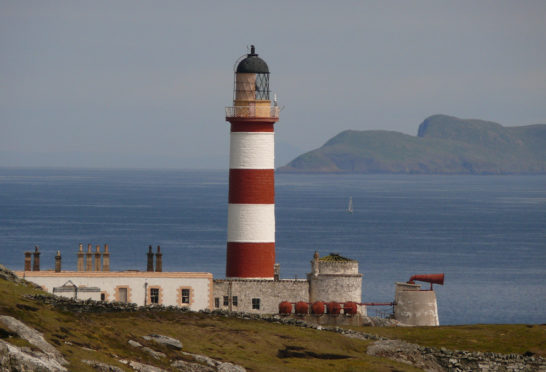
251,200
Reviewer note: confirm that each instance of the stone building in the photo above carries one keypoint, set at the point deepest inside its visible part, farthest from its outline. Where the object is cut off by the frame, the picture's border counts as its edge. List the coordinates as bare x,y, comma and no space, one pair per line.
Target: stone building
333,278
415,306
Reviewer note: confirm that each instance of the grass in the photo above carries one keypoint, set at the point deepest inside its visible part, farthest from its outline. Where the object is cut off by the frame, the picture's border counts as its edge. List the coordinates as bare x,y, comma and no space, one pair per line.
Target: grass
497,338
256,345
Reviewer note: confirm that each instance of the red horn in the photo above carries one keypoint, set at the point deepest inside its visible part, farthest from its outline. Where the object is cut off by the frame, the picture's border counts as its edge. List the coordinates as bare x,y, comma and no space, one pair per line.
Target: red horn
428,278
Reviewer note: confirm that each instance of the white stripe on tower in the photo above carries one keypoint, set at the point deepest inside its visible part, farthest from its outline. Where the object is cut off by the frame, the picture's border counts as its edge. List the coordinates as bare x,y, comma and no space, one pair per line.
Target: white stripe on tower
251,223
252,150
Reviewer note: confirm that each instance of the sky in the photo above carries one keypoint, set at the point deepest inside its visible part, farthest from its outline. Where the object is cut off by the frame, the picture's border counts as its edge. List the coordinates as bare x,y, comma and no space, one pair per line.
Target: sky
143,84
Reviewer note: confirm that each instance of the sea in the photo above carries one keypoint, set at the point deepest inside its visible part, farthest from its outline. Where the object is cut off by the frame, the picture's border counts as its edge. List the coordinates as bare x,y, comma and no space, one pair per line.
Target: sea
487,234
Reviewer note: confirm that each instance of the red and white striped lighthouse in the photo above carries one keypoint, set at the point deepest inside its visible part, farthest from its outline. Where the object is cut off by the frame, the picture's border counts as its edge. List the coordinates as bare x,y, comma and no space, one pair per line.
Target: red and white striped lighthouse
251,208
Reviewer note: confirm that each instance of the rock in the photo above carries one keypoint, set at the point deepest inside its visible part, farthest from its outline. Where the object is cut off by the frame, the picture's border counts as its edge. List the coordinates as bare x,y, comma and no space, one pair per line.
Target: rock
134,344
182,365
215,365
230,367
33,337
13,358
140,367
153,353
173,343
102,367
202,359
403,352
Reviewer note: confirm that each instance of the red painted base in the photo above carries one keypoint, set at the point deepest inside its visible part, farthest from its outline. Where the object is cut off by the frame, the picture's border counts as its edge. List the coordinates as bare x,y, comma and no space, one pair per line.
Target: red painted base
250,260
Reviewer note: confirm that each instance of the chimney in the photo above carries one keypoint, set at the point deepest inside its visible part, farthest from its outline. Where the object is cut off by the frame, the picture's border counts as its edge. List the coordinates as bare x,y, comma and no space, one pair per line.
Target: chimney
158,260
28,261
97,259
277,272
106,259
89,259
315,264
150,265
80,258
36,266
58,262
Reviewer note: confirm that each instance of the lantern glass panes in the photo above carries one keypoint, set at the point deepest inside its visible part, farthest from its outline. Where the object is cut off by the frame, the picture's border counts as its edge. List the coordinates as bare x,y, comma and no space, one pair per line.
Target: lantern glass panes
262,87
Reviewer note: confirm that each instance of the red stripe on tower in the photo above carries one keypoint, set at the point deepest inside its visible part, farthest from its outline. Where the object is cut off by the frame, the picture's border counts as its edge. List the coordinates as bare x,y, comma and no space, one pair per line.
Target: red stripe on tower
251,204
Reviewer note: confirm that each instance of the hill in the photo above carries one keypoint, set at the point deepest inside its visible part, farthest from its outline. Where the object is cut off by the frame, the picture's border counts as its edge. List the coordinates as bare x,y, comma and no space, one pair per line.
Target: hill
444,145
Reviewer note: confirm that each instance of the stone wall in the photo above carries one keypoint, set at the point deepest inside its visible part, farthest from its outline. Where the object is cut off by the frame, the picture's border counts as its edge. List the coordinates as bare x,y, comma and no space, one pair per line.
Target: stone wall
270,294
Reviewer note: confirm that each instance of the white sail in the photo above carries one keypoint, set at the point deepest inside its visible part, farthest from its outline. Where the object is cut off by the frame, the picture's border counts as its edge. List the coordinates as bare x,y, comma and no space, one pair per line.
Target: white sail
350,206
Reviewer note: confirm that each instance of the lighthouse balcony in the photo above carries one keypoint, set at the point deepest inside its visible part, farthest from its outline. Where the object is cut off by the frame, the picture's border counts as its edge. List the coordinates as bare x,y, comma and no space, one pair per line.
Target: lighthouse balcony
252,112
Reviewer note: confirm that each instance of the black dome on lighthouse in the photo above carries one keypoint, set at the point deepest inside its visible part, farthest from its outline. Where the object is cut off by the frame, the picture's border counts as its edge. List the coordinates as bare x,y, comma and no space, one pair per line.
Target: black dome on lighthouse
252,64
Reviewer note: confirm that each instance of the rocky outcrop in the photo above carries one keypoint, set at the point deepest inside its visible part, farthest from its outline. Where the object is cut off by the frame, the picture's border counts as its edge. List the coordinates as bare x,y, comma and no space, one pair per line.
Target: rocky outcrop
13,358
404,352
102,367
170,342
141,367
201,363
33,337
48,358
182,365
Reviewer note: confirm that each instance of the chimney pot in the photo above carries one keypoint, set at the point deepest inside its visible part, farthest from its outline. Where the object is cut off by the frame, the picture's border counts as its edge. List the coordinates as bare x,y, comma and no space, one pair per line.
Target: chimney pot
89,259
106,259
158,260
36,265
28,261
150,262
80,258
58,262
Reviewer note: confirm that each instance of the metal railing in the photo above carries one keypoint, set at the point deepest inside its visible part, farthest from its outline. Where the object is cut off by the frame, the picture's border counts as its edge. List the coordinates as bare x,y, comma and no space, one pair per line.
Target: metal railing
252,112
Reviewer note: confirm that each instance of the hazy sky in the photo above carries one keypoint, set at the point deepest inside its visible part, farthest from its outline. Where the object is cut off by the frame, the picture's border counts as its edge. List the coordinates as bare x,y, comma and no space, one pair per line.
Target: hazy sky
145,83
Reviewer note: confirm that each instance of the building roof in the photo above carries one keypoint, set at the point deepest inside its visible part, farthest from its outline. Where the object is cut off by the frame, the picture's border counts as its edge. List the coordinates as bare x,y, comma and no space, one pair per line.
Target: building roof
252,64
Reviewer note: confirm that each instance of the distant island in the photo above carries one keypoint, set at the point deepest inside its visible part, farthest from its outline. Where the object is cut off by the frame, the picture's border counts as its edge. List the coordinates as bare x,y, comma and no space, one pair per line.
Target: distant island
443,145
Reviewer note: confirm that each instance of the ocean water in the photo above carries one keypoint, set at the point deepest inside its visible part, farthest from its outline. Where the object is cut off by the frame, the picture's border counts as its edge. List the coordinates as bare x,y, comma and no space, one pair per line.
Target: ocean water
486,233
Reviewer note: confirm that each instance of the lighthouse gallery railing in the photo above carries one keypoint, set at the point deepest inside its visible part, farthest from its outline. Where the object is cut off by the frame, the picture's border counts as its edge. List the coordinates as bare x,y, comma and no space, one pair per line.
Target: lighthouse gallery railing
252,111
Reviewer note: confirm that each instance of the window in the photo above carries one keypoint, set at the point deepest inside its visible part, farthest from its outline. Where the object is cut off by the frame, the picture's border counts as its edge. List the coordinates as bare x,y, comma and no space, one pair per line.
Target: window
154,295
216,302
255,304
185,296
234,300
103,296
226,302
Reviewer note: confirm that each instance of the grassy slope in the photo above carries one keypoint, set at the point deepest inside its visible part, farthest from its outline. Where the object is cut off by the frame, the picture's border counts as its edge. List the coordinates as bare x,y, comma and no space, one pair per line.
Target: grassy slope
444,145
500,338
253,344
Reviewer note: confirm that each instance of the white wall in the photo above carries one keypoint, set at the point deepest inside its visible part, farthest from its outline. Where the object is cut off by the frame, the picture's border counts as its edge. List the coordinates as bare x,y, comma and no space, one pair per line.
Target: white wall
138,284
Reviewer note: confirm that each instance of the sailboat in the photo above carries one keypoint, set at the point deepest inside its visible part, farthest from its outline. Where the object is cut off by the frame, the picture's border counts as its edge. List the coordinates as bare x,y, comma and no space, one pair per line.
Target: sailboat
350,206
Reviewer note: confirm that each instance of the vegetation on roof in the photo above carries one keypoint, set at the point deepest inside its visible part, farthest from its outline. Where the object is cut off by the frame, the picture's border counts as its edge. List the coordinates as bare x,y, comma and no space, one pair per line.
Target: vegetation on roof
335,257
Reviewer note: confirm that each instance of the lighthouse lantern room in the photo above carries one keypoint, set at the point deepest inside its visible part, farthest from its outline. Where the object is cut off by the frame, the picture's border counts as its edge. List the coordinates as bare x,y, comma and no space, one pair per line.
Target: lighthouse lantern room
251,200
